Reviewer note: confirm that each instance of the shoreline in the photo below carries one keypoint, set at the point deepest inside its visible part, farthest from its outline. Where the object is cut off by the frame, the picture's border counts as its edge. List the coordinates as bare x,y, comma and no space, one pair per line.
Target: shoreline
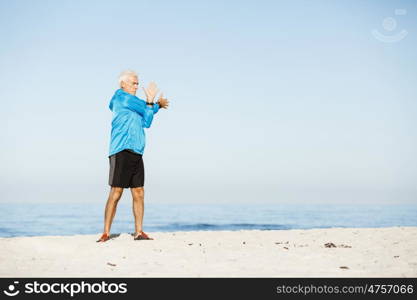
332,252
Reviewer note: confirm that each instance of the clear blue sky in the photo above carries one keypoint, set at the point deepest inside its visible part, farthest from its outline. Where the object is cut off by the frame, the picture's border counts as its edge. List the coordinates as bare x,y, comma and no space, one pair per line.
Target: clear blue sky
270,101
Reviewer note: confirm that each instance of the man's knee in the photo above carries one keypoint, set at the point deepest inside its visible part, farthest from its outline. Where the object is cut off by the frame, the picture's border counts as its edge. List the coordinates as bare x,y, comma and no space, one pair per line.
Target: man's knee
138,192
116,192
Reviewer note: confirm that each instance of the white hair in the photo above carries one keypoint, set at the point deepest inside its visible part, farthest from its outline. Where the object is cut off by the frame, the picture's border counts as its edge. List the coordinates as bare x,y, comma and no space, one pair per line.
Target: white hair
125,75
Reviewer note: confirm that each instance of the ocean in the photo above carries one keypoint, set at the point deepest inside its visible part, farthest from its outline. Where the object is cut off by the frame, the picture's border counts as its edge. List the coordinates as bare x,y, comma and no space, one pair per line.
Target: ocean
43,219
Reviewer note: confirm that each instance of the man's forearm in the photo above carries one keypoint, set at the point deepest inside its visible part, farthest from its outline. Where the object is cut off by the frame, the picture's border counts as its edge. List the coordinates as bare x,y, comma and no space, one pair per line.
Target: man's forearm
154,106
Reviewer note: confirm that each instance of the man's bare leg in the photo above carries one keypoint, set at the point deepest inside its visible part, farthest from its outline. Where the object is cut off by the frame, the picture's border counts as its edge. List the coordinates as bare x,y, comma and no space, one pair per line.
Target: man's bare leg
138,195
111,206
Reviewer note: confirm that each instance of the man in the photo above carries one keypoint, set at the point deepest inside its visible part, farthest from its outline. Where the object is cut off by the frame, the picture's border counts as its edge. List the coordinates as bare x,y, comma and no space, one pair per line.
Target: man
130,116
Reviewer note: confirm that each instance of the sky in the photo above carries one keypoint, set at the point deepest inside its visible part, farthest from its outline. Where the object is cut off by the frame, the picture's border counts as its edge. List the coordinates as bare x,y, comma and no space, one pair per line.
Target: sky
270,101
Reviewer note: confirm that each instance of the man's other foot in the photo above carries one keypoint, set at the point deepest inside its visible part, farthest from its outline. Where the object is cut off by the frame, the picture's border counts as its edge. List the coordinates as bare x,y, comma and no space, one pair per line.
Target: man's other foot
142,236
105,237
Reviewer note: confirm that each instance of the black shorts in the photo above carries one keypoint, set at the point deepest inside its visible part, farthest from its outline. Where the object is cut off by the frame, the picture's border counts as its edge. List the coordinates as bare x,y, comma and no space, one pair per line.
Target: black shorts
126,169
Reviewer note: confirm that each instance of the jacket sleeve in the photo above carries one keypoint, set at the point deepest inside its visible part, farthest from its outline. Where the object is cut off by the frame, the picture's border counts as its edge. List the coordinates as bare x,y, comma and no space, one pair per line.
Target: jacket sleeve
139,106
155,108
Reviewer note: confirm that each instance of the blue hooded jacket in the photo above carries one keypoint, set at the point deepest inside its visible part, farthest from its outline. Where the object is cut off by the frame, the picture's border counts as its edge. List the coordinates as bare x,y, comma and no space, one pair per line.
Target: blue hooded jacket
130,116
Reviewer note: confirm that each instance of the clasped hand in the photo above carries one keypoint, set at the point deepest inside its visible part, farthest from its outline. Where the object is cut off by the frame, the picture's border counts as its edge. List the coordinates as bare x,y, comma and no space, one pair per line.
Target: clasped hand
151,91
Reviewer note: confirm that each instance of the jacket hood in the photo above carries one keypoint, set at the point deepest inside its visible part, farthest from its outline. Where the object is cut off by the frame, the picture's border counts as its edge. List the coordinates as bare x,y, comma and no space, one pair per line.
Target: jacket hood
116,94
120,94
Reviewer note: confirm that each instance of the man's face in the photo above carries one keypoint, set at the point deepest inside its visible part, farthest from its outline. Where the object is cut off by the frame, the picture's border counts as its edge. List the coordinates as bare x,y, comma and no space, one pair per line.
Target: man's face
131,85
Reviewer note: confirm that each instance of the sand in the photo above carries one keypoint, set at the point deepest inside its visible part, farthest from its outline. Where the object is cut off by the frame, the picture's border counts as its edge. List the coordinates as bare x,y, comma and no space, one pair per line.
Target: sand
355,252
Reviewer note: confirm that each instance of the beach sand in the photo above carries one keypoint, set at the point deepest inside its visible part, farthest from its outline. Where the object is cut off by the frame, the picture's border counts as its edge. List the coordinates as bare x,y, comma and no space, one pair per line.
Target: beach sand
357,252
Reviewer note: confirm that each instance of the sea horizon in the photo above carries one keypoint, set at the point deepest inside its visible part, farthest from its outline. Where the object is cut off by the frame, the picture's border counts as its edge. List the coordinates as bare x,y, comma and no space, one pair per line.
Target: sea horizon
46,219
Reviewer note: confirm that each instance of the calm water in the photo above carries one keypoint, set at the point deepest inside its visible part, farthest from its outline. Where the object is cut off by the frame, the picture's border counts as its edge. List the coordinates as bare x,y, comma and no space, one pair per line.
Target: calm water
71,219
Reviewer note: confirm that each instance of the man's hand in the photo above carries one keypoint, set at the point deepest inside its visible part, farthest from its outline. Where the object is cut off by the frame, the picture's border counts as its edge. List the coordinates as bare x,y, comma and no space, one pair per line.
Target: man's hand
163,102
151,92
